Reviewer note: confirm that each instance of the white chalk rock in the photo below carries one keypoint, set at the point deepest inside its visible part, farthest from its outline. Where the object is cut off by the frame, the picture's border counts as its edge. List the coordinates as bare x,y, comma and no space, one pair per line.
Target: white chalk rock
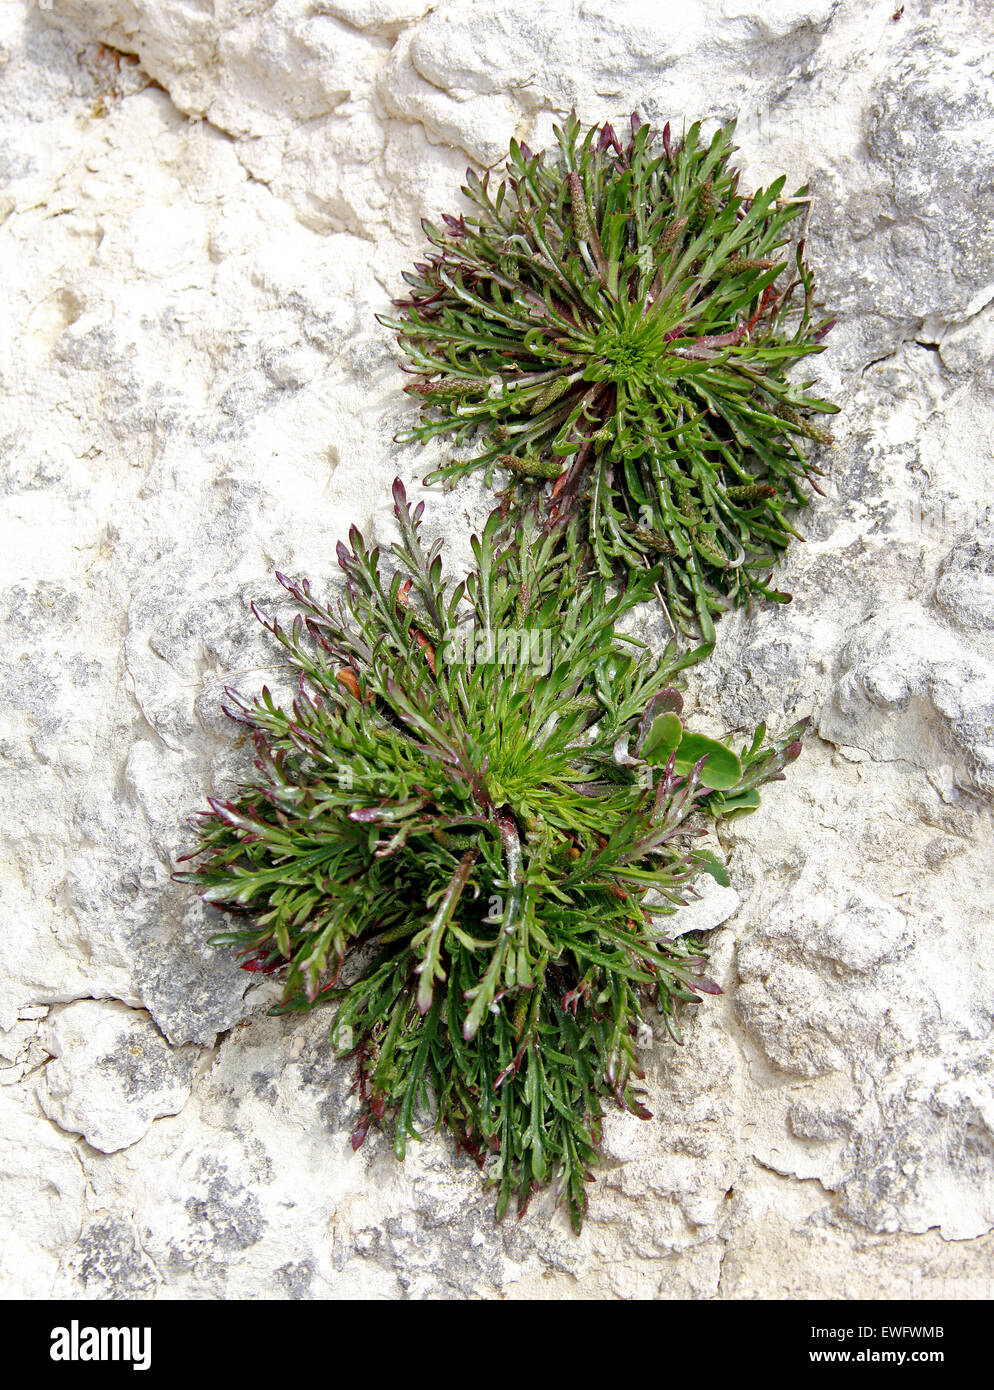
195,393
112,1073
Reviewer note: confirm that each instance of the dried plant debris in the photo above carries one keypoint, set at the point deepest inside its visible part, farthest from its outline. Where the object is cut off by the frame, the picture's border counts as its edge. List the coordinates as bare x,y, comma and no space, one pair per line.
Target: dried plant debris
615,322
490,791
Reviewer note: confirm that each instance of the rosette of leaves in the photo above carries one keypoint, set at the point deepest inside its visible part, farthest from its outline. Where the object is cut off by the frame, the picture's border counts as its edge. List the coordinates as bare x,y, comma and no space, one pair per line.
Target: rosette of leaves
619,318
469,829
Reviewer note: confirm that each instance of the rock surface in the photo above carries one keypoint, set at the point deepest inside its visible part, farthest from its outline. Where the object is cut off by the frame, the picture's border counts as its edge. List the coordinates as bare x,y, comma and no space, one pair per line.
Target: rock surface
111,1073
201,209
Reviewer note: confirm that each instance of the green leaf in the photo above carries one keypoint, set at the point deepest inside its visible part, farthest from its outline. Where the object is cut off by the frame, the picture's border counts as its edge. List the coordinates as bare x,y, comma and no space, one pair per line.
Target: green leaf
739,804
721,766
663,738
714,867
